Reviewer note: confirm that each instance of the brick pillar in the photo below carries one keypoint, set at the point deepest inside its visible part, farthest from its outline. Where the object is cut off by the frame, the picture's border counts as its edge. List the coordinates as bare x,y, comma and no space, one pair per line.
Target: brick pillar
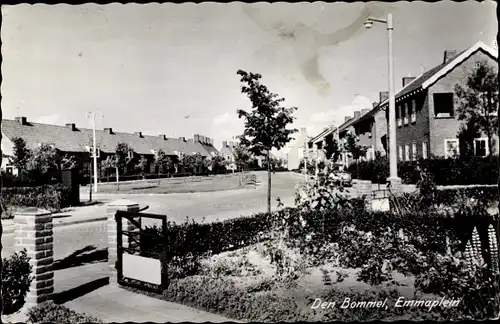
113,207
33,232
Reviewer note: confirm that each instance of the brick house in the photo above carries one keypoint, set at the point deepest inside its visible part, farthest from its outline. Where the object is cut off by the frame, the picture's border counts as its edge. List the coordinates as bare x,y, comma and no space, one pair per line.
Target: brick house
427,123
77,142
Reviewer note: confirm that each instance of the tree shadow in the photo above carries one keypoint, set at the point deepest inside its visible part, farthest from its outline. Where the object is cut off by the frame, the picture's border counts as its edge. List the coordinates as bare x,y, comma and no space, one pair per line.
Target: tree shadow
87,255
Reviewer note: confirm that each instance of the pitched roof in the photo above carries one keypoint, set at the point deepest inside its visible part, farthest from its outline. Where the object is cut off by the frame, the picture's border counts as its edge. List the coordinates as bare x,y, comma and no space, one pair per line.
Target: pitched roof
430,77
68,140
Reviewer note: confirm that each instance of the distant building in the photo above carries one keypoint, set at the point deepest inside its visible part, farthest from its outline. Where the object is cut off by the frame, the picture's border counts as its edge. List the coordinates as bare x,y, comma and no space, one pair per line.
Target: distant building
295,152
77,142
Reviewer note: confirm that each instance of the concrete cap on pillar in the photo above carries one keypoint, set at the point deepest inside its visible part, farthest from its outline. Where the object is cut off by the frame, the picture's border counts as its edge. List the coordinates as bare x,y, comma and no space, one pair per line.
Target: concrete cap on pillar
122,202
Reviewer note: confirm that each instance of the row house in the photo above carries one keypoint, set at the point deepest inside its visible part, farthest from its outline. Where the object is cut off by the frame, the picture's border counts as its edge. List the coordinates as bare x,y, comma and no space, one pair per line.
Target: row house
427,122
426,107
77,142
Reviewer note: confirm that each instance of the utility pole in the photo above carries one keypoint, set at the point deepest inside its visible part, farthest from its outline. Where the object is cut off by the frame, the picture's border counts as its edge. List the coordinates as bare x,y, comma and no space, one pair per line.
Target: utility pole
92,116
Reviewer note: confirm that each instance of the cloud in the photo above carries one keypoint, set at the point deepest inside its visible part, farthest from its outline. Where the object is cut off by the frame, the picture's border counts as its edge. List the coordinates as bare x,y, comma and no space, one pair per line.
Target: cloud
50,119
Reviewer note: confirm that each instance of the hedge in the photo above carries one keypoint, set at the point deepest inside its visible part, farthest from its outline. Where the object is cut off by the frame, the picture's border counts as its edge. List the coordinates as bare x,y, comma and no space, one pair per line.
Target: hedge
461,171
48,312
50,197
194,239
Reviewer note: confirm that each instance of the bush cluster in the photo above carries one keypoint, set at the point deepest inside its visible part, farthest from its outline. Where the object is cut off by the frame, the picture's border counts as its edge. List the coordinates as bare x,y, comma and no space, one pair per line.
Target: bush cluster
461,171
48,312
50,197
28,179
16,280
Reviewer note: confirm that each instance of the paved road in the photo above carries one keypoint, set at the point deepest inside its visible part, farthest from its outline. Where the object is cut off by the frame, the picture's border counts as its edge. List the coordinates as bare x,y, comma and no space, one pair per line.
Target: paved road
211,206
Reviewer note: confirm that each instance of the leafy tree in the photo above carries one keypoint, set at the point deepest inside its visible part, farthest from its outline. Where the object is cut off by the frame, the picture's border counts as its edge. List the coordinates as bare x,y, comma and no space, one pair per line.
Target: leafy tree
188,162
142,165
218,164
124,156
68,162
331,149
44,160
108,165
163,162
352,146
478,100
198,161
241,156
266,124
21,154
466,135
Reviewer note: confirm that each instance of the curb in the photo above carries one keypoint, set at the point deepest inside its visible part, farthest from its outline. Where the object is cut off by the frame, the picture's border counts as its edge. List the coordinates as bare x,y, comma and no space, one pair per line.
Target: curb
82,221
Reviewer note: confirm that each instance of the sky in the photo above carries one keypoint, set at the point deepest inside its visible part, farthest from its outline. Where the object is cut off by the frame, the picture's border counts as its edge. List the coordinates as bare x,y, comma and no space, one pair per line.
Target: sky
171,68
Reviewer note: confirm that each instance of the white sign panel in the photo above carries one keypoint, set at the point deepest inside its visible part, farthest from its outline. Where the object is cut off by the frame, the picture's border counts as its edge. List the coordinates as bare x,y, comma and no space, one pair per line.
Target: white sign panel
141,268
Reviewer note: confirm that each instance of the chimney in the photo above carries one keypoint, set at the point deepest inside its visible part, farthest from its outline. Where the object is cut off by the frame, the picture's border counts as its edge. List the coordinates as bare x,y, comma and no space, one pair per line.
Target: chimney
407,80
364,111
224,143
21,120
196,138
346,119
375,104
138,134
448,55
357,114
202,139
182,139
383,95
109,130
71,126
163,137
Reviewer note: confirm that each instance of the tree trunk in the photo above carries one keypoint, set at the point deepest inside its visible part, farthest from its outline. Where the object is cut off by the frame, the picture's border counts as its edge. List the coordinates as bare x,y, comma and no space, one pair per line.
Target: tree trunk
490,145
268,182
1,232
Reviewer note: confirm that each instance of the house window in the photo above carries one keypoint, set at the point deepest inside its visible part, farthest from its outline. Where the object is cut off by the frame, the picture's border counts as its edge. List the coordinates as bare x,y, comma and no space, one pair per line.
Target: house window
130,154
488,102
405,116
451,148
424,150
414,151
407,152
398,116
400,152
443,105
9,170
413,111
481,147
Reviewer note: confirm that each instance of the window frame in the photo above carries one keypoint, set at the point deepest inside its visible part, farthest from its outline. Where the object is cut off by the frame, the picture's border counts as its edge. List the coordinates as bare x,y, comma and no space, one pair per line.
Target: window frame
405,116
399,116
452,113
446,141
425,153
486,148
414,151
407,152
400,151
413,115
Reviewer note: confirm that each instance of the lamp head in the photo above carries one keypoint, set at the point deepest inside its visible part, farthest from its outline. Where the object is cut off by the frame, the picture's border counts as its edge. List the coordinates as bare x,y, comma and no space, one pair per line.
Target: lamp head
368,23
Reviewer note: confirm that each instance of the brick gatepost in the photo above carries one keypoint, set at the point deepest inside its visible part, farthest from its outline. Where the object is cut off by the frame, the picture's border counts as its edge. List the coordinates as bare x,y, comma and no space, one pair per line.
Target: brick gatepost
112,208
33,232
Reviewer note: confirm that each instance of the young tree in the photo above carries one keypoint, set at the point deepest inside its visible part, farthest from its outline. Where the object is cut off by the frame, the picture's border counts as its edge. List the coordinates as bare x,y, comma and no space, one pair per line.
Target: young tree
241,156
198,161
20,155
108,165
68,162
44,160
188,162
142,165
331,149
163,162
124,156
478,100
266,124
466,135
352,146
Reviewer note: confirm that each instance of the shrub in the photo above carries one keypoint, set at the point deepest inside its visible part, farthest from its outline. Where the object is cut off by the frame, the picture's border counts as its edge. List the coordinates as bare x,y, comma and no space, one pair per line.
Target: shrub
48,312
16,280
50,197
462,171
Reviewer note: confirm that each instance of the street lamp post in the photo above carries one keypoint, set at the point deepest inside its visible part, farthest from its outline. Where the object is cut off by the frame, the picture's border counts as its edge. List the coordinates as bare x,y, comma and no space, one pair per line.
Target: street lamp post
94,149
393,179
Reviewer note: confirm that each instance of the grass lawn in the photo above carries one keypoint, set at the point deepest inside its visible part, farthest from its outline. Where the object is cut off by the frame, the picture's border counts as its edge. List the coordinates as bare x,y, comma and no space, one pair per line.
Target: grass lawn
177,185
